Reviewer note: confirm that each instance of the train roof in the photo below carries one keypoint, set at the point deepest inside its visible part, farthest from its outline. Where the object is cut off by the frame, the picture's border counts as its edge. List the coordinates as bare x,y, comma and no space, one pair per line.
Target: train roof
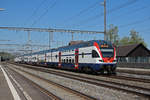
72,47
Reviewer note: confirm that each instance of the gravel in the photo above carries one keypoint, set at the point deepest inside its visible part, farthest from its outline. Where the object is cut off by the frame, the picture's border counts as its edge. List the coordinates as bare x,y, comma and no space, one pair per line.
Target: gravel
98,92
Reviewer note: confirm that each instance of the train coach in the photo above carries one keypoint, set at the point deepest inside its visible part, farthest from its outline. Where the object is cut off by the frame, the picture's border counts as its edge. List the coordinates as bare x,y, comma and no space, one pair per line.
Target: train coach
89,56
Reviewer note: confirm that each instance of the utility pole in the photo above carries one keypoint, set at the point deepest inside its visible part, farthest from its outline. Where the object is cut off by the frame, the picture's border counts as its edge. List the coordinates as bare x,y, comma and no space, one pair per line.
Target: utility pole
49,40
105,33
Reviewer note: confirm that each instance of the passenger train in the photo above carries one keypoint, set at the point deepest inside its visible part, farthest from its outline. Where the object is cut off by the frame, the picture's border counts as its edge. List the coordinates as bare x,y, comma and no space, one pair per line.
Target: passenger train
90,56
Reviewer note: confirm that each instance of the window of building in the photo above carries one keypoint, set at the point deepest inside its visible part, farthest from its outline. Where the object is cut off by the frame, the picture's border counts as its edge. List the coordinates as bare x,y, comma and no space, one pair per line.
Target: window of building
94,54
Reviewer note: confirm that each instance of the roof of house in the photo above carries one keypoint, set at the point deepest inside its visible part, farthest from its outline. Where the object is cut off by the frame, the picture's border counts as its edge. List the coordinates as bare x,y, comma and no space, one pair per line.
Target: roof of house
123,51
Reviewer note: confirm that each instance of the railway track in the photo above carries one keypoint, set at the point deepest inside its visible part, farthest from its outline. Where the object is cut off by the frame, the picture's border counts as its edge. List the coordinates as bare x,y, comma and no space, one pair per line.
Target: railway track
105,83
133,72
49,94
77,93
128,78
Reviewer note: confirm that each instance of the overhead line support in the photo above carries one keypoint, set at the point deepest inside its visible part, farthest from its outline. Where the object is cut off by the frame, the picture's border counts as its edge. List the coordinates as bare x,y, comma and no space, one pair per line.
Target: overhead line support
51,30
105,33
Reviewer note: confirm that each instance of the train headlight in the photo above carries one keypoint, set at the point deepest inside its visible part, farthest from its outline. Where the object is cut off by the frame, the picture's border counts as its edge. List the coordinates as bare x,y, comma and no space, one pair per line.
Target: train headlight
114,61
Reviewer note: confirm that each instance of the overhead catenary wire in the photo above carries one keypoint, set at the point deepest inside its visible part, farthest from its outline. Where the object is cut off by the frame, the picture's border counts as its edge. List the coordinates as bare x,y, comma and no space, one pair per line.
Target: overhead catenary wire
126,4
134,23
83,11
130,12
44,13
35,11
145,30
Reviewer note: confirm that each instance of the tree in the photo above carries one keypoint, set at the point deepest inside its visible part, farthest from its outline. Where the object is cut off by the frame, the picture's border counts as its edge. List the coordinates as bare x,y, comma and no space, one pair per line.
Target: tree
124,41
6,56
134,38
112,34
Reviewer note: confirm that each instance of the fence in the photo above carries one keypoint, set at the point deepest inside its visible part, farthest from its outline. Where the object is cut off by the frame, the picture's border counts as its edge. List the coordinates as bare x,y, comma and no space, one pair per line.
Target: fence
133,65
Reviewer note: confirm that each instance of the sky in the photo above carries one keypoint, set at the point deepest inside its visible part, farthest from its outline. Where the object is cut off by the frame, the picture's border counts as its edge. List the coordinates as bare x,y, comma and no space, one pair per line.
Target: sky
72,14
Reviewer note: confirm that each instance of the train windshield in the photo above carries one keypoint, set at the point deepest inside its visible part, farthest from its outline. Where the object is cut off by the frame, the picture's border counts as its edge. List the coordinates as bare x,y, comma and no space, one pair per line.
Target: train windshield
107,52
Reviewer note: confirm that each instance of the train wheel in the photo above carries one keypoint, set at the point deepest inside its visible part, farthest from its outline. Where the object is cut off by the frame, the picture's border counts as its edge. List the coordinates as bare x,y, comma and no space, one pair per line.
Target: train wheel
87,70
102,71
109,71
113,71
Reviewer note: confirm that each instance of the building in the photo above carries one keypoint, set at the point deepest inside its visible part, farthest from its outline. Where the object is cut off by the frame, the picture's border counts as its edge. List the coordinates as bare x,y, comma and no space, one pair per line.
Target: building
133,55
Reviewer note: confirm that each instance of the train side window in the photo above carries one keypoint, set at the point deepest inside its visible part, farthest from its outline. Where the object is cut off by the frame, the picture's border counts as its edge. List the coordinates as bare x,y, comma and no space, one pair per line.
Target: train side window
64,60
72,60
56,56
94,54
69,60
82,54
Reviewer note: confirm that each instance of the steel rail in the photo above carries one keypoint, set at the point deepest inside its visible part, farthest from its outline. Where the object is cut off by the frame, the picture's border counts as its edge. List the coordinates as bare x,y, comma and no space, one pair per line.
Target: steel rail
82,95
42,90
91,81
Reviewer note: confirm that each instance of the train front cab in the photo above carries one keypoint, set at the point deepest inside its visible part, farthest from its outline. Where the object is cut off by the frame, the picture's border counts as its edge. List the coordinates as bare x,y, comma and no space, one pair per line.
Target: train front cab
105,58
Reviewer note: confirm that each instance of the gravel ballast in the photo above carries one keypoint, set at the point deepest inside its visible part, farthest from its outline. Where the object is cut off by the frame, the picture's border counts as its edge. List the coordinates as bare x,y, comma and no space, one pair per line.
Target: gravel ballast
98,92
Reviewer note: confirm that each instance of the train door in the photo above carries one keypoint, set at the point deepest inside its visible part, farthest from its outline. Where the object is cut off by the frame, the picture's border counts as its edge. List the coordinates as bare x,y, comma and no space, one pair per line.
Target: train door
38,59
51,57
59,63
45,59
76,58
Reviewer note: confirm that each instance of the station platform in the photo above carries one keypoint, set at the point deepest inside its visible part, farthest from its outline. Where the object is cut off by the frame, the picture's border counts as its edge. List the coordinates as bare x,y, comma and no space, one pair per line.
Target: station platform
133,69
5,93
139,71
14,86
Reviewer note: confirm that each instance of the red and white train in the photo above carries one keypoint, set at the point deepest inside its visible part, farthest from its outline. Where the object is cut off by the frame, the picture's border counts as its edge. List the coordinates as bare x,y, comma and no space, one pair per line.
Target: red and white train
89,56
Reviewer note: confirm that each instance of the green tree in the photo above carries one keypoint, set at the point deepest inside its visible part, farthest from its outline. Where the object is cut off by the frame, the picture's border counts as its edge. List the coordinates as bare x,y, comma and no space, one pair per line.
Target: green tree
134,38
6,56
124,41
112,34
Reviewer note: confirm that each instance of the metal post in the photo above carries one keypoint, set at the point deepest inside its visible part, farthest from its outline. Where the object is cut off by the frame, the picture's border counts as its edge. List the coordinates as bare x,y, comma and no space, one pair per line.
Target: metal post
50,39
72,35
105,34
29,39
29,43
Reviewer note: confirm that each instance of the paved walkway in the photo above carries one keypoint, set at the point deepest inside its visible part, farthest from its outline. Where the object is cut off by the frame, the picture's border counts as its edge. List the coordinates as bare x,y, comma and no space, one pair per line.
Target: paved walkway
5,93
134,69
